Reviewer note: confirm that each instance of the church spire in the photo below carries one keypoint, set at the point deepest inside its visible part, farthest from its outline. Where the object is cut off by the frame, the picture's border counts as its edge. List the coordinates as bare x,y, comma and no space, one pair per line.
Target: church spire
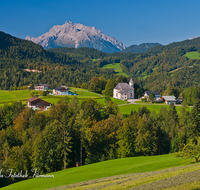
131,83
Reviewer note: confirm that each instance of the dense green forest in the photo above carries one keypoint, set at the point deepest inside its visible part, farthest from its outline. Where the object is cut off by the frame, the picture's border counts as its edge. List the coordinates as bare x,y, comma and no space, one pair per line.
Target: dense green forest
139,48
85,132
159,68
159,49
56,68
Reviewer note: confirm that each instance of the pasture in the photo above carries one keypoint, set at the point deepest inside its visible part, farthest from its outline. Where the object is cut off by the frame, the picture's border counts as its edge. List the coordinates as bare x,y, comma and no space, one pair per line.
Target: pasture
126,109
124,106
22,95
192,55
134,166
116,67
15,95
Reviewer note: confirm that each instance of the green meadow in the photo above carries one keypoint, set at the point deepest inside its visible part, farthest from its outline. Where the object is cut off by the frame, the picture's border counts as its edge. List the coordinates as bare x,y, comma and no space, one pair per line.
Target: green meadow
15,95
126,109
102,170
117,101
192,55
124,106
116,67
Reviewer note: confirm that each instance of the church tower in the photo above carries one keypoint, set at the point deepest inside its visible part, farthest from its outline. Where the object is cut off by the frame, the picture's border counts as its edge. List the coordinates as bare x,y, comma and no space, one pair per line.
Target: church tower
131,83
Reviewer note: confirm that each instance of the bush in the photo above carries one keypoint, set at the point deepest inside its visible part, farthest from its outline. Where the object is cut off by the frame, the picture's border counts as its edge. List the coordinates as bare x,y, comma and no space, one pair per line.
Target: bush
144,99
44,93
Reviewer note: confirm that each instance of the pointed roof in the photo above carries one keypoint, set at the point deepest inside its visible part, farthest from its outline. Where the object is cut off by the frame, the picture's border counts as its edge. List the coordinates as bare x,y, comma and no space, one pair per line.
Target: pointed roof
123,86
131,80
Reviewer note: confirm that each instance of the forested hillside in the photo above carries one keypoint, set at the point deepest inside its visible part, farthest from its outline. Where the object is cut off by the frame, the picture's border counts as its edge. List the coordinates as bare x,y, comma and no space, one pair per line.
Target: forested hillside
139,48
56,68
80,53
159,68
159,49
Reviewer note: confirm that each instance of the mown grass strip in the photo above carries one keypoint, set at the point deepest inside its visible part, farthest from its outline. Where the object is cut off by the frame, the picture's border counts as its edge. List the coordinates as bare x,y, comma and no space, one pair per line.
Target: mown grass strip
189,186
102,169
144,181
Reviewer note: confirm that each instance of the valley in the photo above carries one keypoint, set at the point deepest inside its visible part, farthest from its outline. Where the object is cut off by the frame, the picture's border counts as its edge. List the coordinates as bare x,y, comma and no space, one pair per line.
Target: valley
99,95
115,136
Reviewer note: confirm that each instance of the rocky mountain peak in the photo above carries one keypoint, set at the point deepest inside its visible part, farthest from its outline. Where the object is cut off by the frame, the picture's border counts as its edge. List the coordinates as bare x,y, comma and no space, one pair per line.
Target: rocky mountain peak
77,35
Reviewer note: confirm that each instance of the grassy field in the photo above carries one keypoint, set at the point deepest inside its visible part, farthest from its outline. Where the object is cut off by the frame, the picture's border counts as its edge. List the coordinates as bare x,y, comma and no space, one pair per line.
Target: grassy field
15,95
134,165
193,55
116,67
126,109
185,177
23,95
94,59
117,101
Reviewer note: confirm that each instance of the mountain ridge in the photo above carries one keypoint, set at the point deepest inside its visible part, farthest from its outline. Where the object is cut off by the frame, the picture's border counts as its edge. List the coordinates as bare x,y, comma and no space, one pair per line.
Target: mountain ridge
77,35
141,48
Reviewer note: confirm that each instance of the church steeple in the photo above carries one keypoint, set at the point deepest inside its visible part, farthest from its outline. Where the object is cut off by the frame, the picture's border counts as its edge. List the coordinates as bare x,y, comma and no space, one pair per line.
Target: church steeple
131,83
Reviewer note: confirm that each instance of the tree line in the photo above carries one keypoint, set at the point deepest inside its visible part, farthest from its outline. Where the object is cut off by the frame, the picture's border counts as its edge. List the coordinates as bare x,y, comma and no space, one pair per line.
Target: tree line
84,132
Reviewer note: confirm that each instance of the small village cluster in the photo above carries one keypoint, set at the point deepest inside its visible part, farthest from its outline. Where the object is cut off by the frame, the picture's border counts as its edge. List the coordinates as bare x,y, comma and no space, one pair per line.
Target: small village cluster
122,91
38,103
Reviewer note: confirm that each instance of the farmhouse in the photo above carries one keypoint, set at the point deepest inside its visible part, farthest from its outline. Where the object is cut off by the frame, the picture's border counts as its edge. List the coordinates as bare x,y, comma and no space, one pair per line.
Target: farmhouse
169,99
60,91
147,93
37,103
43,87
124,91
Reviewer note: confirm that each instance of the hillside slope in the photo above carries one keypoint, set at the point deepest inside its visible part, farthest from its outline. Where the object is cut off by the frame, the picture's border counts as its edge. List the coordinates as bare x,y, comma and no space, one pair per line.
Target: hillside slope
161,48
18,54
102,169
185,177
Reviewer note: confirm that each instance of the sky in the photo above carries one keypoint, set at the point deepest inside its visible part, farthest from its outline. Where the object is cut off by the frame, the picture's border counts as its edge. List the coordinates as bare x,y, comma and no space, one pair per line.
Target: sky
129,21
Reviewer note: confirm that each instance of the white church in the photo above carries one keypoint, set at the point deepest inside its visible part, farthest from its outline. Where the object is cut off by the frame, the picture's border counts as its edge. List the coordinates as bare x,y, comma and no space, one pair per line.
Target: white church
124,91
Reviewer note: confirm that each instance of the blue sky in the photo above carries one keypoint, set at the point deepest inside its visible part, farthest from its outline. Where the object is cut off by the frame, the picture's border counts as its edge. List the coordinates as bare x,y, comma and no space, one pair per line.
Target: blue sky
129,21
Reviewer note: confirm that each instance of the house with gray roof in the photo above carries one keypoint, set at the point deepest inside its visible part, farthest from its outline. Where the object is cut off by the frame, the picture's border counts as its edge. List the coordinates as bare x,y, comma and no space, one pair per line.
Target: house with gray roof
43,87
124,91
147,93
169,99
60,91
